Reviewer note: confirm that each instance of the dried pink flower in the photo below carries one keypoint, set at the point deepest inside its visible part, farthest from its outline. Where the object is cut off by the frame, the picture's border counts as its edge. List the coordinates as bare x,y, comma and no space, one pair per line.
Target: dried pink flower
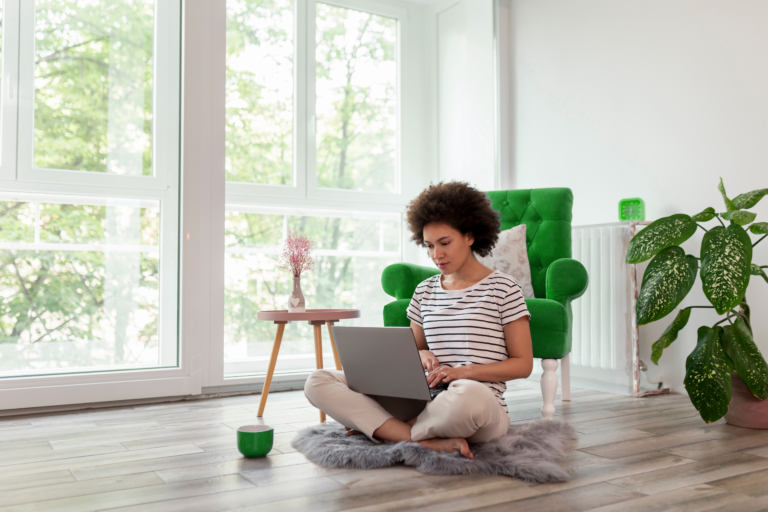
297,254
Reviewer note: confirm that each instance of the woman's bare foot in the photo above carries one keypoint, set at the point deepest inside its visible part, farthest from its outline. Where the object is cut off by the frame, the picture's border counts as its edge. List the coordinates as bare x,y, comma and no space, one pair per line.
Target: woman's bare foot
457,444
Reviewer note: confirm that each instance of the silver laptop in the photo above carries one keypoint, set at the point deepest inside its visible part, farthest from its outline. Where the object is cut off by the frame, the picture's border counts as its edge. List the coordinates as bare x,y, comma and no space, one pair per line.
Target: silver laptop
384,363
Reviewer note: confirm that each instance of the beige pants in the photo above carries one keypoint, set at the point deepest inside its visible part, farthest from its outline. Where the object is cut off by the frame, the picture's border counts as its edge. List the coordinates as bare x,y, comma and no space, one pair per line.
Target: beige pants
466,409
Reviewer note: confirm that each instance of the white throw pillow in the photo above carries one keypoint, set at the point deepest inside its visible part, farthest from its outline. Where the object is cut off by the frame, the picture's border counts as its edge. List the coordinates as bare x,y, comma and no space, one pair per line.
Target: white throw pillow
511,257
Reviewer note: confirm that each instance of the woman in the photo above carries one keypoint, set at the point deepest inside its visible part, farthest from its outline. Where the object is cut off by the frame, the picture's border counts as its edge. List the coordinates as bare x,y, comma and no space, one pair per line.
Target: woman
471,326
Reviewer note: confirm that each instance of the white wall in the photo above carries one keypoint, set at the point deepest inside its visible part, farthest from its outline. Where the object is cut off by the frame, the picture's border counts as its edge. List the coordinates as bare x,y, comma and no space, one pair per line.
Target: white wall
461,74
652,98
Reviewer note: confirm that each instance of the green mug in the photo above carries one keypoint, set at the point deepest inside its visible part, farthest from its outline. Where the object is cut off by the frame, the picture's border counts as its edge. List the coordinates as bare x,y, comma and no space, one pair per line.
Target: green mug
255,440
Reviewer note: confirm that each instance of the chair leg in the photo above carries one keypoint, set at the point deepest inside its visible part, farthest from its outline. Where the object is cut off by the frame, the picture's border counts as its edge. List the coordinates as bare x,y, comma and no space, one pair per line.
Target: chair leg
565,377
548,388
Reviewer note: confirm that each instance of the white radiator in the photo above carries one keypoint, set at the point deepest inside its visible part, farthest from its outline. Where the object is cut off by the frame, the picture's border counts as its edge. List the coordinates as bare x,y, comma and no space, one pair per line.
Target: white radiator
602,353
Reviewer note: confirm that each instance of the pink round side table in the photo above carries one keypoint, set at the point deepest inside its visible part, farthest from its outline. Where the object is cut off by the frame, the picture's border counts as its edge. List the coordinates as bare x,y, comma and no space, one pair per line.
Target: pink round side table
316,318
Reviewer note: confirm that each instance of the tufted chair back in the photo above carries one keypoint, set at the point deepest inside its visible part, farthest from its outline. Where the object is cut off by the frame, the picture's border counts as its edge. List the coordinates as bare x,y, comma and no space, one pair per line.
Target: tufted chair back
547,214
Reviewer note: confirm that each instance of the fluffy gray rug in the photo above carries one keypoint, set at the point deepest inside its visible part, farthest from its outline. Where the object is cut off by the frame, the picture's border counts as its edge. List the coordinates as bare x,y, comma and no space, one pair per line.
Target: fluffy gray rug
529,451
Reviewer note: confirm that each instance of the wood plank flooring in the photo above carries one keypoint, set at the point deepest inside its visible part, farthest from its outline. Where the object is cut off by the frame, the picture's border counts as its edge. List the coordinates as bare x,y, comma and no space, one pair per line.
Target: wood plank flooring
633,454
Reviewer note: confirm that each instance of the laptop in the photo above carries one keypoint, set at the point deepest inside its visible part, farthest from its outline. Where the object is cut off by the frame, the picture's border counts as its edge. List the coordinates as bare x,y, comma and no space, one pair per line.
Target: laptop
384,363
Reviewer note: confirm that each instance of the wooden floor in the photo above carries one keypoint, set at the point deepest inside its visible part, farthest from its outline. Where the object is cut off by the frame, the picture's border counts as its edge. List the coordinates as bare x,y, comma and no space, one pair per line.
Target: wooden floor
633,454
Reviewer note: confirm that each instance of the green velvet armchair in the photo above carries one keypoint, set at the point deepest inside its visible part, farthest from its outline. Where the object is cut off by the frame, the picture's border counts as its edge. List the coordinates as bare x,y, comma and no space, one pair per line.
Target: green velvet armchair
557,279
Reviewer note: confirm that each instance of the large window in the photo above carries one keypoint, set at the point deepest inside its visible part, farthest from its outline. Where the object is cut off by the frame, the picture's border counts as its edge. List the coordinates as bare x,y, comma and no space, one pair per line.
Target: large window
260,57
292,119
93,73
89,218
312,115
356,99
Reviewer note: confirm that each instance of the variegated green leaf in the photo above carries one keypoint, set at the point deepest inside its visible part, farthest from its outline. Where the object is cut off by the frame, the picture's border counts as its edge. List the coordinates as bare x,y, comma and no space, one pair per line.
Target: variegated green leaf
670,334
750,199
667,280
708,375
726,259
660,234
728,203
757,271
749,362
705,216
739,217
759,228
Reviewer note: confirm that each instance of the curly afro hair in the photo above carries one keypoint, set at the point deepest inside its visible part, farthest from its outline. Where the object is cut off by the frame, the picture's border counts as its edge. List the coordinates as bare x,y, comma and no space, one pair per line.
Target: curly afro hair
462,207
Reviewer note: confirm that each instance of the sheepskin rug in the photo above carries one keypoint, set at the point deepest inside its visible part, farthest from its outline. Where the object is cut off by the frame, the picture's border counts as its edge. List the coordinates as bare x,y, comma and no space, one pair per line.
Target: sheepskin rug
529,451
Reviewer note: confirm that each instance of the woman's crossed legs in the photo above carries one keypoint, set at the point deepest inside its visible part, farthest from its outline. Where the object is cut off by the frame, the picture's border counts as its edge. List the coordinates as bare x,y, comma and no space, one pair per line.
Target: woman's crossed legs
466,412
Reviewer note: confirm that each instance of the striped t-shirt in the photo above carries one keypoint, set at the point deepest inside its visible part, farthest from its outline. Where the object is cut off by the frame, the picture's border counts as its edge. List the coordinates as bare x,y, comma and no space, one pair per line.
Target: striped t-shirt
467,326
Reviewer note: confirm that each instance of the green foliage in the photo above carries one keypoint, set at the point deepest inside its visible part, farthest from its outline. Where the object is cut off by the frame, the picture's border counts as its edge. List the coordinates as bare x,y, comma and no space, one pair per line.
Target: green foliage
94,103
726,267
728,203
741,349
705,216
670,334
356,146
355,104
356,149
94,67
59,295
726,259
259,84
659,235
93,111
757,271
739,217
750,199
667,280
708,375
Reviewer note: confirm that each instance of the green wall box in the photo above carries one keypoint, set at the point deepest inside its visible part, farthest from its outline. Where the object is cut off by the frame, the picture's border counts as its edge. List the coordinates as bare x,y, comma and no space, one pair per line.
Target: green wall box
632,209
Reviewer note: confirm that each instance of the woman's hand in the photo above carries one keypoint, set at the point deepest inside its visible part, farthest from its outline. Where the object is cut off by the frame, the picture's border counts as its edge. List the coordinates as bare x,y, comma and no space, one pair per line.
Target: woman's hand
428,360
352,432
447,375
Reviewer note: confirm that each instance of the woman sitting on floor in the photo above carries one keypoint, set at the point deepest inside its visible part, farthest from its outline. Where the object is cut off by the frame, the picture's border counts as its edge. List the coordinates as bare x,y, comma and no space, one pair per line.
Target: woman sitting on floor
471,326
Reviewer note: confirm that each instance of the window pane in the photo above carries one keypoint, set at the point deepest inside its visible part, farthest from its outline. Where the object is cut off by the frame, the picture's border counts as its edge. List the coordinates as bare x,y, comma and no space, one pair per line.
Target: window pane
356,100
259,124
79,284
350,255
93,85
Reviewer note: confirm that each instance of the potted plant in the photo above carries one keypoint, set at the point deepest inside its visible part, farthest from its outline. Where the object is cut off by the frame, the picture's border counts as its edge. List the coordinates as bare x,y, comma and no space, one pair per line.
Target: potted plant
725,265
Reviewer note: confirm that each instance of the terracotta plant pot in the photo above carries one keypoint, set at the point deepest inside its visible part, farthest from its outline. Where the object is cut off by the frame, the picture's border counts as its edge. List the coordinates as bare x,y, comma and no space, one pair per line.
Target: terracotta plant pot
745,410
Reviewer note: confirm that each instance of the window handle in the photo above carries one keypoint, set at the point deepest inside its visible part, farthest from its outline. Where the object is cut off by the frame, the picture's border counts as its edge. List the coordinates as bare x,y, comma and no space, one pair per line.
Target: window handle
312,128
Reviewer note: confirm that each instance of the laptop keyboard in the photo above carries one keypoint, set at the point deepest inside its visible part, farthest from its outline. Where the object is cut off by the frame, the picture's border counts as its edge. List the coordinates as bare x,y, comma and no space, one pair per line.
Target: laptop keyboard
433,392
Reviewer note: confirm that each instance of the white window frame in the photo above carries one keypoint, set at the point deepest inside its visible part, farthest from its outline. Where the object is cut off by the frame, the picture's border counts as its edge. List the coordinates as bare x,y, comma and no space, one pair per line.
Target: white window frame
164,123
179,371
9,98
304,176
204,195
311,199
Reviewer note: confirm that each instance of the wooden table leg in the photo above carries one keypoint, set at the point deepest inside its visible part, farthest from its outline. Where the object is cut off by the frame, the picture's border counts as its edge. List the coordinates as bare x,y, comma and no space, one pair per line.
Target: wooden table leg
319,355
271,369
333,347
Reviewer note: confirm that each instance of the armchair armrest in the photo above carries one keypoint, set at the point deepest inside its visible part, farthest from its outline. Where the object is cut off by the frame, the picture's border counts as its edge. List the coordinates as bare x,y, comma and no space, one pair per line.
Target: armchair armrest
401,279
567,279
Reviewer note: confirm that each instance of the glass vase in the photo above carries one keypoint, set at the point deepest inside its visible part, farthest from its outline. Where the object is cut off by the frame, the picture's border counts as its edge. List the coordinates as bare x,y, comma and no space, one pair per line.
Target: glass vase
296,302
